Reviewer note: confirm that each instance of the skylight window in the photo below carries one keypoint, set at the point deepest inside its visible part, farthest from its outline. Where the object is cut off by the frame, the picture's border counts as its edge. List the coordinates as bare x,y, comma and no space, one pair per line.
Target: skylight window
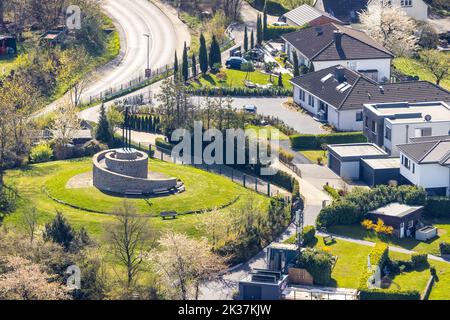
348,86
342,85
328,76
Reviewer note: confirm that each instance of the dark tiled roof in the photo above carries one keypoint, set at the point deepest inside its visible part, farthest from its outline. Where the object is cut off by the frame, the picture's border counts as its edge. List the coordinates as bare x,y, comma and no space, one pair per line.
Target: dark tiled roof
344,10
437,151
428,139
321,45
364,90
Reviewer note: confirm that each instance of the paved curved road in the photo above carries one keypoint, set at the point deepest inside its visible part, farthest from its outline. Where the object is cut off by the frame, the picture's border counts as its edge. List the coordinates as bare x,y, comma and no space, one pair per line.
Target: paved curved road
133,19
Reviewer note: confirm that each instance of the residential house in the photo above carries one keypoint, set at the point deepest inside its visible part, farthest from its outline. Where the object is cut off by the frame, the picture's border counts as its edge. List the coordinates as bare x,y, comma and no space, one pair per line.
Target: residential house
348,10
425,162
391,124
336,95
306,14
333,44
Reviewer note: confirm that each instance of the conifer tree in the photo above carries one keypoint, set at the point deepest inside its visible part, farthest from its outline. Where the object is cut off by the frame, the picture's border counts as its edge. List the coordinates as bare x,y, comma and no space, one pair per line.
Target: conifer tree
203,55
185,65
103,133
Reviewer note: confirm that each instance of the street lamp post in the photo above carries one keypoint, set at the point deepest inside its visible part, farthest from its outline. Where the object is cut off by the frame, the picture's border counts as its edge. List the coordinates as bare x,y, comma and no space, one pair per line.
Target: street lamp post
148,71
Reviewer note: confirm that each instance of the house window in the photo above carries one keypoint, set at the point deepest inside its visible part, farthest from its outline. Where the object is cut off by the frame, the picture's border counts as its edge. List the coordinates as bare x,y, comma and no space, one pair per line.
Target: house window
366,122
410,224
311,100
388,133
359,116
301,95
406,3
406,163
374,127
414,168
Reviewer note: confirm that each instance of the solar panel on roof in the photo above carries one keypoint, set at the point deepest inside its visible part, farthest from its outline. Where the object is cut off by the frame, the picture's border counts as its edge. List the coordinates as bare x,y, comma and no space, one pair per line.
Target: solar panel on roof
328,76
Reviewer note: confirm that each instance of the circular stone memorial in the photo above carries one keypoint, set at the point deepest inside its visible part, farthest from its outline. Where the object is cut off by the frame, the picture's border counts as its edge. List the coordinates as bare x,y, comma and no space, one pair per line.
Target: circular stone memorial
125,171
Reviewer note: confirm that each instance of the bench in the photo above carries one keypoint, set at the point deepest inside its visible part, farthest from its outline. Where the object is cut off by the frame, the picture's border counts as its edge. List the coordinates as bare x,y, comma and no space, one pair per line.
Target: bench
166,215
161,191
327,239
133,192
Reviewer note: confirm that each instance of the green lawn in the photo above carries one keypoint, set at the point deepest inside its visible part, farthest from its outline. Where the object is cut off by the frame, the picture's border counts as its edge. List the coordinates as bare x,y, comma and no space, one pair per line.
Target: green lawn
431,247
236,78
269,134
312,155
352,259
204,190
413,67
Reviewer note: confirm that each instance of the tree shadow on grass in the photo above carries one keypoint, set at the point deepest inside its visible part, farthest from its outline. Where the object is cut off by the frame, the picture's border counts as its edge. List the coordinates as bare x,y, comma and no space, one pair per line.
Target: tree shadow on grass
209,79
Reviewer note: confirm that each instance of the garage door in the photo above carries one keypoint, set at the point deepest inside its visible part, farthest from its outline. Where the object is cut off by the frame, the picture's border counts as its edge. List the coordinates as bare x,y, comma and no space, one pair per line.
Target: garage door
335,165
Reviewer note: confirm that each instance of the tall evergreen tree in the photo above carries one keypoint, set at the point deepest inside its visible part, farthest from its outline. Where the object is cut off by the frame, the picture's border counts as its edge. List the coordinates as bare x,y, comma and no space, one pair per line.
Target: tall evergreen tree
215,56
295,64
259,30
176,68
245,39
194,66
252,39
280,80
185,66
203,55
264,23
60,231
103,133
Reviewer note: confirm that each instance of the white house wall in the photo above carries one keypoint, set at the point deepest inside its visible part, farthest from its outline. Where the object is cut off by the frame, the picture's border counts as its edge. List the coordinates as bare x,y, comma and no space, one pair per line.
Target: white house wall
347,120
402,132
418,10
382,65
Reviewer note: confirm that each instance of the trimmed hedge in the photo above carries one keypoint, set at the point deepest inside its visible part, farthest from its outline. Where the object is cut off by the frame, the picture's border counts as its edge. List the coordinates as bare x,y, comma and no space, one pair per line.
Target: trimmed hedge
379,256
240,92
284,180
340,212
314,142
438,207
318,263
332,191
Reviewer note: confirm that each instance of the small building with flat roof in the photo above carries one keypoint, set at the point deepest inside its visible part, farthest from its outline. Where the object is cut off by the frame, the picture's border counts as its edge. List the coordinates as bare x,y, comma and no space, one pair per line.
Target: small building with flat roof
344,159
403,218
380,171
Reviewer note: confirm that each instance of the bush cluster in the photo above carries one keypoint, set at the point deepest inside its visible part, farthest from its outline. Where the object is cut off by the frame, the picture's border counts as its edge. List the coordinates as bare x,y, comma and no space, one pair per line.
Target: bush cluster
274,32
419,260
41,153
318,263
309,235
240,92
315,141
355,206
444,247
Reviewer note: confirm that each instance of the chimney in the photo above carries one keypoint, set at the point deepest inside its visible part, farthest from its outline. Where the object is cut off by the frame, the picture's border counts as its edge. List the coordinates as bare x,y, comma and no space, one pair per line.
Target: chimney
337,38
339,74
319,31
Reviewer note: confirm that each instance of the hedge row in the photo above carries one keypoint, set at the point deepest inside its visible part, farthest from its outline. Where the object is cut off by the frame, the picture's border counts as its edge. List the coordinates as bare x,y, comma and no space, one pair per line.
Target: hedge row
274,32
314,142
241,92
438,207
379,256
163,144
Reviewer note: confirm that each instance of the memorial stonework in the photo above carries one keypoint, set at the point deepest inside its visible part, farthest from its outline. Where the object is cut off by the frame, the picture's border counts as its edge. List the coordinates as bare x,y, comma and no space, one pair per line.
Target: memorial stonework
125,171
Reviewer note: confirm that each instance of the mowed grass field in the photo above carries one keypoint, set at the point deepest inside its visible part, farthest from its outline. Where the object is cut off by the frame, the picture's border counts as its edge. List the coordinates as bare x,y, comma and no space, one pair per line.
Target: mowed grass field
203,191
236,78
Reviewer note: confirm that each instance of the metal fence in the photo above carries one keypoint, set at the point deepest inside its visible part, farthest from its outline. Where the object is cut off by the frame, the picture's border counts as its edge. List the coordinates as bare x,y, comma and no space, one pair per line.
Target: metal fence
245,180
139,81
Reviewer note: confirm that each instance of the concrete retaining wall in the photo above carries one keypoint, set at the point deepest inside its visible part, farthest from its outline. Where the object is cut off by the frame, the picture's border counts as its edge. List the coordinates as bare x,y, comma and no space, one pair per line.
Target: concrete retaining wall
113,182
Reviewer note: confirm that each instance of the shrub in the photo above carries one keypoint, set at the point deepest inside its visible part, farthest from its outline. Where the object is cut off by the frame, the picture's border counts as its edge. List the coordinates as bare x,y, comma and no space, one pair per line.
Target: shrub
92,147
41,153
314,142
318,263
331,191
444,247
283,180
378,227
240,92
437,207
309,235
379,294
274,8
341,212
419,260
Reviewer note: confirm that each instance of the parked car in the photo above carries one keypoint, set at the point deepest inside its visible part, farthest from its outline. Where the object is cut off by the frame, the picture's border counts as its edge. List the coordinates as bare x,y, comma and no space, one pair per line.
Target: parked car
280,24
250,108
255,55
235,63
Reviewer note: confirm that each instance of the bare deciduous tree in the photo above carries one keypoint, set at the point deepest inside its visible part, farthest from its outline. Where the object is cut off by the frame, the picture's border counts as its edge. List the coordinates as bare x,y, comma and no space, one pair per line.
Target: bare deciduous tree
30,222
127,238
66,122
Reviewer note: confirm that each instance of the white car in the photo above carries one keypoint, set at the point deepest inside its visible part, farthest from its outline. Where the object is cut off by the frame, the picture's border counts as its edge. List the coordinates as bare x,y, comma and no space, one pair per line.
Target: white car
280,24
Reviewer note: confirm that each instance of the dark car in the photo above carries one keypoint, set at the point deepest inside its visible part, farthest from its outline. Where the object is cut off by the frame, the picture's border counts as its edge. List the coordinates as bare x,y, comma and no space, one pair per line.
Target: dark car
235,63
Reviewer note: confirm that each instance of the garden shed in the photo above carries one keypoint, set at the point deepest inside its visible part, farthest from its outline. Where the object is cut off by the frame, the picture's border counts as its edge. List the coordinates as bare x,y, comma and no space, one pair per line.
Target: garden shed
403,218
8,45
